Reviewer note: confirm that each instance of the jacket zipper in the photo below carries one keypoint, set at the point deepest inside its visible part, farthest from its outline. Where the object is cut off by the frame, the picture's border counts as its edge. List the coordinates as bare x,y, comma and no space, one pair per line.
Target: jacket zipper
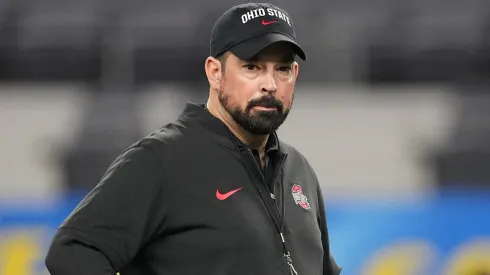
279,226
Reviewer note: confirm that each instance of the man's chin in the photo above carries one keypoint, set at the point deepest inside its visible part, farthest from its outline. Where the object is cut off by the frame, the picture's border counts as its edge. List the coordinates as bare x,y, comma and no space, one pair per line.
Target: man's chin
260,131
261,127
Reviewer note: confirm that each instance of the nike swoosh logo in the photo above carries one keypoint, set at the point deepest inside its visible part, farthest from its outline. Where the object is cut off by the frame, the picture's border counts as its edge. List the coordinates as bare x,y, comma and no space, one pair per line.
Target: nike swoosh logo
265,23
224,196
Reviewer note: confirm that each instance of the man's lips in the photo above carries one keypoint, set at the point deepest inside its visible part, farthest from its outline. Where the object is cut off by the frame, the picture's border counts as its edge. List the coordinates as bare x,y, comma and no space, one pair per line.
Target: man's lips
265,108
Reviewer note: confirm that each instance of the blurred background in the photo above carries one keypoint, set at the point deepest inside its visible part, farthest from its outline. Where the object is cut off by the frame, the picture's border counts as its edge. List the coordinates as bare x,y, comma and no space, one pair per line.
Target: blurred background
392,109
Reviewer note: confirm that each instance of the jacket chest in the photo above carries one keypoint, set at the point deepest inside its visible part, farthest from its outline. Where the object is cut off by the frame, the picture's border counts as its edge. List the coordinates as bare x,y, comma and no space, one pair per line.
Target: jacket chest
219,212
226,198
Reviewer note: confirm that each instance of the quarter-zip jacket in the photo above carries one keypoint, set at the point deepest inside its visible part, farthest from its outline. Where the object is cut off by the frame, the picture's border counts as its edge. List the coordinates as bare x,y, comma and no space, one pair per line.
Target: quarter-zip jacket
187,199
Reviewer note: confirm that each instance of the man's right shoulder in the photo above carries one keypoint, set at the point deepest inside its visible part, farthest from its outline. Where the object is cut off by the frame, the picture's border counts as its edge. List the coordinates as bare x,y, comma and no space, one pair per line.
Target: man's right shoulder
170,138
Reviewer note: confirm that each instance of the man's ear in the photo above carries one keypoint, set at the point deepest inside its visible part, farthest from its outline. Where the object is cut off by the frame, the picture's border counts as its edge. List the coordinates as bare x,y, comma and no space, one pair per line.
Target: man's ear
213,72
295,69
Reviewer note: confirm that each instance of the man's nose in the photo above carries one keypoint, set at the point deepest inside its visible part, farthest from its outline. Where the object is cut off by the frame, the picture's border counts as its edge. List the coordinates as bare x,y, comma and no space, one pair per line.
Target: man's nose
269,83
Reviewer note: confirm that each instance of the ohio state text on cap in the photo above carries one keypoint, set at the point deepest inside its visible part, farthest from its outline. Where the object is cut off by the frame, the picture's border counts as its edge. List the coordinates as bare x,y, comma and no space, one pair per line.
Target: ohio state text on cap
248,28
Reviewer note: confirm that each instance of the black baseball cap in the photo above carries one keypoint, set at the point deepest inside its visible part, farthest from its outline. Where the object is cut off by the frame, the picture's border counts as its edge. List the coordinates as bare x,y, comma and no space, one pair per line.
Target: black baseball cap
247,29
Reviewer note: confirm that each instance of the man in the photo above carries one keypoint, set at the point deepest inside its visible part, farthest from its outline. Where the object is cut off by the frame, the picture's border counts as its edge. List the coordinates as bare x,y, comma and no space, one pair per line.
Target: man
215,192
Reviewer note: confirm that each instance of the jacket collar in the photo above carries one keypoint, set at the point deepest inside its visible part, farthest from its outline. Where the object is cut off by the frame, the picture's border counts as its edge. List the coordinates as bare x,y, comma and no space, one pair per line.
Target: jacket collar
199,113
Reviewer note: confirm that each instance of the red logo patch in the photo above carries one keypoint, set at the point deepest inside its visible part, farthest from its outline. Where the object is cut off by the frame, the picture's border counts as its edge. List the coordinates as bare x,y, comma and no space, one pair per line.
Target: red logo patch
224,196
299,197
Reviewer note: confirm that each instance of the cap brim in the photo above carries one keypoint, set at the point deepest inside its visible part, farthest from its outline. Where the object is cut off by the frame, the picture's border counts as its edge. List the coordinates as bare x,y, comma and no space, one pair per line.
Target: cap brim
251,47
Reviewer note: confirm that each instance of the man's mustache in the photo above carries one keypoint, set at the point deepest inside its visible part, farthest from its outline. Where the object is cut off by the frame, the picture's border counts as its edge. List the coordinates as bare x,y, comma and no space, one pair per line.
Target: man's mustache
267,102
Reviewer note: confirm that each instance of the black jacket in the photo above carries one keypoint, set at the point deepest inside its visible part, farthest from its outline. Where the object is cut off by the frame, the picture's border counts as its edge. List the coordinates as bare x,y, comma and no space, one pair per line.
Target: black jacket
191,199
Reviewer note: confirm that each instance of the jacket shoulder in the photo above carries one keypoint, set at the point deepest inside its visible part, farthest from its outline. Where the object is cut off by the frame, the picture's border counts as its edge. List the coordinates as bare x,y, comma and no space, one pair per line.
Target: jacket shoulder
297,159
293,153
169,137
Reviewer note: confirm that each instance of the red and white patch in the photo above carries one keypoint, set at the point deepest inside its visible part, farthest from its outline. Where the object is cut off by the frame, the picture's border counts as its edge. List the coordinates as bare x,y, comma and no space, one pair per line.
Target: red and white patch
299,197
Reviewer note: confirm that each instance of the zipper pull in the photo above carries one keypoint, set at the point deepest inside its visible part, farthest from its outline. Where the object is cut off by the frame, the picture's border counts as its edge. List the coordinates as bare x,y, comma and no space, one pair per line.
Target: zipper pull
287,255
290,263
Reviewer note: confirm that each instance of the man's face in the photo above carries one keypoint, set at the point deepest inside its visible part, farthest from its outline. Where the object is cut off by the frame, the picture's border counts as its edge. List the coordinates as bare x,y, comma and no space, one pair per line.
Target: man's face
258,94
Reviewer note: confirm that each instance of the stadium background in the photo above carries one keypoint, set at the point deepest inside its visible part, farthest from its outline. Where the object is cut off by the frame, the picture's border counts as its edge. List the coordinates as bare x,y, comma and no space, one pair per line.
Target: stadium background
392,109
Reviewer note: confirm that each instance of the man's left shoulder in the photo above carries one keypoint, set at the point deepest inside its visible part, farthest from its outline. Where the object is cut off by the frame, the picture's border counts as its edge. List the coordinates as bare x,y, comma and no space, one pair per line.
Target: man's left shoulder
297,165
293,154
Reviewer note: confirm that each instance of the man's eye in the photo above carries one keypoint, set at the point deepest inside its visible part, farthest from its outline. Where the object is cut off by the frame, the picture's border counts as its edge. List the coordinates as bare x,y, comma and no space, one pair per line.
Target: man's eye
285,69
250,67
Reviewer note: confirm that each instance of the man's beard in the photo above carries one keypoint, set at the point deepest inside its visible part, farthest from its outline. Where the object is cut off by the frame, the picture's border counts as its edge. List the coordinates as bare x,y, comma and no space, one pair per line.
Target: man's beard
256,122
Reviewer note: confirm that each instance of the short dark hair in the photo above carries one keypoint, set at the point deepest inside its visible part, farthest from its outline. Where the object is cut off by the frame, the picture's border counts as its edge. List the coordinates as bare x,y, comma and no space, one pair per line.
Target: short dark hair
222,59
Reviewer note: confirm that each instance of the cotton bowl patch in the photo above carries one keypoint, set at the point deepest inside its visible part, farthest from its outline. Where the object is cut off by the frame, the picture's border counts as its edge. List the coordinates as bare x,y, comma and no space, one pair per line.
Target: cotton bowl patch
299,197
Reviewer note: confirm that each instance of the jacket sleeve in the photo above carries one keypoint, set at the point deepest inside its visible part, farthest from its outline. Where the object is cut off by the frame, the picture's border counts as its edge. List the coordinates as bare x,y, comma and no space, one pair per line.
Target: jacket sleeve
106,230
330,267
